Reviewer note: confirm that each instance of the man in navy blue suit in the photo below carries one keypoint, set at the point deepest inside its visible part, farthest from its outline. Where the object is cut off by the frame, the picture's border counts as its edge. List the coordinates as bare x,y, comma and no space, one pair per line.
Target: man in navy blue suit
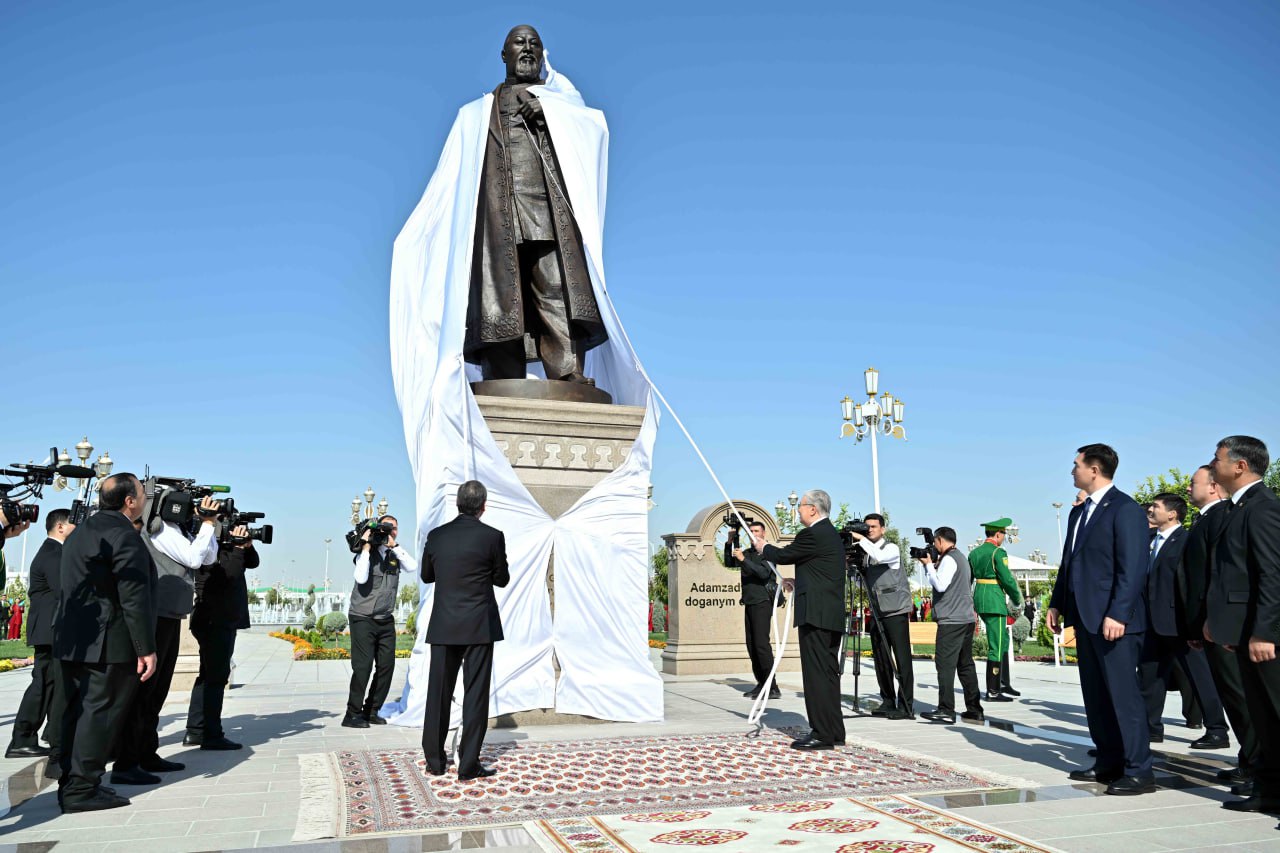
1101,591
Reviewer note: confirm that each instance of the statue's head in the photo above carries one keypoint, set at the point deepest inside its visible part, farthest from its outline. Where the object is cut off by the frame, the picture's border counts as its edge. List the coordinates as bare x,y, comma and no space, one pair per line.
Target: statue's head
522,53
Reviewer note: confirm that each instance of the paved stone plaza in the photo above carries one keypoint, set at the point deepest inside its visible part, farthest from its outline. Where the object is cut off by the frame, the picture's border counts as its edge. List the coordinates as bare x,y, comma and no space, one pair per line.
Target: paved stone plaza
282,708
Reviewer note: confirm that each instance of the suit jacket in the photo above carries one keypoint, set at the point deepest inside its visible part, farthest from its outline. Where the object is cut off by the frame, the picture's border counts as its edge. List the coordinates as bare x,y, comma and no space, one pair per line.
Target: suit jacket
44,593
222,596
1162,584
756,575
106,607
818,556
1244,589
465,559
1195,568
1105,574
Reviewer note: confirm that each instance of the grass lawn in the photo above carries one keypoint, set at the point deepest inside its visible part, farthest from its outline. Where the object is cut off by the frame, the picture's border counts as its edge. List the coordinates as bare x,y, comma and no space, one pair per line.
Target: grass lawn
15,649
343,641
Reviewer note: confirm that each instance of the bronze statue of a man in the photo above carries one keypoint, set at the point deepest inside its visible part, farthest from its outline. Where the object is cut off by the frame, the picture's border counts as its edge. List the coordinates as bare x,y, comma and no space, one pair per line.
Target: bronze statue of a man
531,296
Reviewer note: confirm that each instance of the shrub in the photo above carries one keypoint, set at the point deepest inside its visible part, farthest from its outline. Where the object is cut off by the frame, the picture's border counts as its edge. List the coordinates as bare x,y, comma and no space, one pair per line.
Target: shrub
980,645
1021,630
332,623
411,624
309,622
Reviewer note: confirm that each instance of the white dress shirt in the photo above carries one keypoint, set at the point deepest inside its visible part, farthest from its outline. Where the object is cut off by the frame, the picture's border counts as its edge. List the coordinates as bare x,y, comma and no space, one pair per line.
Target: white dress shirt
187,551
883,552
407,563
1210,505
940,578
1239,493
1090,509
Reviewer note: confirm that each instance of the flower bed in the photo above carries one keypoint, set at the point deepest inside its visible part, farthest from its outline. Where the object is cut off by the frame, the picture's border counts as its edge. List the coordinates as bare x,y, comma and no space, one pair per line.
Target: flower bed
303,649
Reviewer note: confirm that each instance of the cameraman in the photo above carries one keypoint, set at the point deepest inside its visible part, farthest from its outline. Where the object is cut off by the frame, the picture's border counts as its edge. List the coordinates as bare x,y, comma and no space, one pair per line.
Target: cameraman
372,623
890,594
953,611
758,591
176,557
221,609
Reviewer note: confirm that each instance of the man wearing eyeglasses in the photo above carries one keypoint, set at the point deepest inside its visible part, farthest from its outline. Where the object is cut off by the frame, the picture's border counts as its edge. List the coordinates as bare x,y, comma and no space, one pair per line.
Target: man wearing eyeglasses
373,625
818,556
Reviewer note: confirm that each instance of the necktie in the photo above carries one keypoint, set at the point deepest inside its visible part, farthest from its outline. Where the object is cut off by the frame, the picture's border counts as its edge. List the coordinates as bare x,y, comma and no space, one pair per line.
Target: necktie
1084,520
1155,549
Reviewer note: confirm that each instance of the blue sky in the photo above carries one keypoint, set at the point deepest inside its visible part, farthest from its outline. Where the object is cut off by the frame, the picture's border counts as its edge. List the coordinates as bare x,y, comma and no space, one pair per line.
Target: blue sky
1046,224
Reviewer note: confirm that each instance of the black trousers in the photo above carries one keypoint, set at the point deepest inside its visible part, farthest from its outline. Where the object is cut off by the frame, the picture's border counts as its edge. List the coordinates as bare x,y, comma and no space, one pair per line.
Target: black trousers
476,663
99,696
1225,668
954,654
373,649
1262,694
898,633
1160,657
820,675
756,619
1113,701
204,712
140,738
37,701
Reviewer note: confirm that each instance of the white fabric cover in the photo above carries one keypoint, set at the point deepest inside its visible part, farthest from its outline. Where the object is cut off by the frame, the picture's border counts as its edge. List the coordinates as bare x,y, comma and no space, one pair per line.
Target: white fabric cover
600,635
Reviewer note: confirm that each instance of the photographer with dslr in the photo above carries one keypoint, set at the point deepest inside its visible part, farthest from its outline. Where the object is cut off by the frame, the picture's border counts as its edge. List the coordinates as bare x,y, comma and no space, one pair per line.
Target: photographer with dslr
890,593
953,611
176,556
759,588
818,555
221,609
379,561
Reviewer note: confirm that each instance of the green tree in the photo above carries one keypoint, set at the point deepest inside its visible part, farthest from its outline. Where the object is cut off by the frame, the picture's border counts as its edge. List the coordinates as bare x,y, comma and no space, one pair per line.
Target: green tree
658,582
1272,479
1174,482
275,597
409,594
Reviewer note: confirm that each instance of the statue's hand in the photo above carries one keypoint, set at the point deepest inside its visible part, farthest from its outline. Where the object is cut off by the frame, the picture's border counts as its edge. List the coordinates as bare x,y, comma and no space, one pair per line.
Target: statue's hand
530,108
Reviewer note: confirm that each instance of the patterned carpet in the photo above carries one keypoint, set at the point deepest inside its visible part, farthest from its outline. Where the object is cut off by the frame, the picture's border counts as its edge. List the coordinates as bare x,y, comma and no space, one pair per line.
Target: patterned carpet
358,793
885,824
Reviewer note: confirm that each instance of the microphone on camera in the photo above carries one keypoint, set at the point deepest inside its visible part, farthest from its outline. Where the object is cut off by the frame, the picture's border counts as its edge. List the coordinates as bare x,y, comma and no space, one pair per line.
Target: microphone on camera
78,472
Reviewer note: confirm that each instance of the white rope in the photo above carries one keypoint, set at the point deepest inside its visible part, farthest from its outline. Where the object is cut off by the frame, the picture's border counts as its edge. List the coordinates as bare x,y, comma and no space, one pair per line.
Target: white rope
762,699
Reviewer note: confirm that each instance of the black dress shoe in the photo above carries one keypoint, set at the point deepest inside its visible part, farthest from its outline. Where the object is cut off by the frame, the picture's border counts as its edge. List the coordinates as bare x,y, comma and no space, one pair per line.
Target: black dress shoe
752,693
482,773
1211,742
997,697
156,764
1128,786
1010,691
883,710
976,716
812,743
52,769
939,717
900,714
191,740
1234,775
1246,788
1270,805
26,751
222,744
1155,738
98,801
375,720
133,776
775,693
1093,774
353,721
1093,753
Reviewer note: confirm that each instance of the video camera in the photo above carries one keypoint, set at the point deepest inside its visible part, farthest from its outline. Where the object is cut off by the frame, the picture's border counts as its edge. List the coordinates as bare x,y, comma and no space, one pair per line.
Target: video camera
928,551
734,523
854,557
180,500
236,519
379,533
32,479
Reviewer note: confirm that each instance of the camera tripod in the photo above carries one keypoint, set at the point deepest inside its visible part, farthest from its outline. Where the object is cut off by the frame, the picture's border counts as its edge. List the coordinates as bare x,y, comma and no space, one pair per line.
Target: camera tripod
855,588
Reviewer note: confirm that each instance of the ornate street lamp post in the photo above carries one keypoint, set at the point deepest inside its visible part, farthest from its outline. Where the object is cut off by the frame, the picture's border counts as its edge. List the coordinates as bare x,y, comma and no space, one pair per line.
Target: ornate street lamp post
883,416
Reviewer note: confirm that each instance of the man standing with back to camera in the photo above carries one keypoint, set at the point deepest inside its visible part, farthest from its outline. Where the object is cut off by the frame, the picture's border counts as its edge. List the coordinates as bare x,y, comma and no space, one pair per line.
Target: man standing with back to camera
818,556
1100,592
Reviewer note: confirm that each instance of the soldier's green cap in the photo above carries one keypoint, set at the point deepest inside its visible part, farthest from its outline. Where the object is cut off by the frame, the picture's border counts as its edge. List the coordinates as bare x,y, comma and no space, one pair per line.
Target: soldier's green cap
997,525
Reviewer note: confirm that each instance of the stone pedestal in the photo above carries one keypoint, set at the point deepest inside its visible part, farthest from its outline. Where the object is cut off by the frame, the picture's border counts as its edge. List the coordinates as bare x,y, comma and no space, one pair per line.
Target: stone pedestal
559,450
706,635
184,674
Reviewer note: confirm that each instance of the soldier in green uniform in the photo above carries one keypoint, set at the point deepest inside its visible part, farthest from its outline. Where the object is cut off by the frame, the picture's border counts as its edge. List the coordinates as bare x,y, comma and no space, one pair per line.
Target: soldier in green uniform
992,580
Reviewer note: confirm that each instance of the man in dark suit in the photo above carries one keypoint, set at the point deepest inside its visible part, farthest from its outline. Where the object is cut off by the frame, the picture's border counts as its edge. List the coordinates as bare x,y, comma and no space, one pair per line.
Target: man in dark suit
1243,612
818,556
465,559
759,589
38,701
1164,649
1100,591
1194,572
104,638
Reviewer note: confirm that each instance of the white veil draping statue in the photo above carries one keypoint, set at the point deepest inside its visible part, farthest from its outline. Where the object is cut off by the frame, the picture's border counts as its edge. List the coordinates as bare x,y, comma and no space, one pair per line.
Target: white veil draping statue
599,634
